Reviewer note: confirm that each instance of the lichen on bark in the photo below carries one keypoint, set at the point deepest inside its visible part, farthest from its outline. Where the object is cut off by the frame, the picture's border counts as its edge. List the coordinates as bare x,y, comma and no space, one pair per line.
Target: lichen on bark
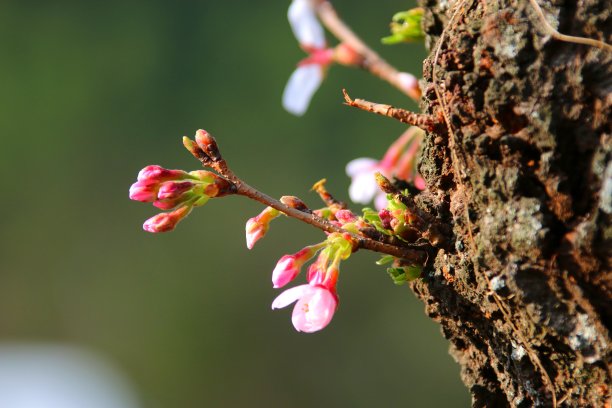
524,177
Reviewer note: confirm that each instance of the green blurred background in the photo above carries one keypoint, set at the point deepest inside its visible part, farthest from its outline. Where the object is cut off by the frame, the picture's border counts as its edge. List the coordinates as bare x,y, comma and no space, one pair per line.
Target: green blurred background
94,91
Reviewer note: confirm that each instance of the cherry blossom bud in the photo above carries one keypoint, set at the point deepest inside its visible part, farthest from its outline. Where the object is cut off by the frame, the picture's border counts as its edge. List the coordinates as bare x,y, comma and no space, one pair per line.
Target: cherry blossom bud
158,174
385,218
208,144
192,147
345,216
144,191
173,189
294,202
289,266
170,203
257,227
164,222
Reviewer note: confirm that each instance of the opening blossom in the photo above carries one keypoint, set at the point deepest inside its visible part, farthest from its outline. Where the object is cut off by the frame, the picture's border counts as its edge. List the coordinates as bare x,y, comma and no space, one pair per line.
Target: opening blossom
309,74
316,301
399,161
307,77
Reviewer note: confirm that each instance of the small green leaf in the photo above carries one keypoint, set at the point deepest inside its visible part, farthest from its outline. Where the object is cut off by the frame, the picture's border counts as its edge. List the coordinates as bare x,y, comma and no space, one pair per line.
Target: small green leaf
412,272
406,27
404,274
385,260
398,276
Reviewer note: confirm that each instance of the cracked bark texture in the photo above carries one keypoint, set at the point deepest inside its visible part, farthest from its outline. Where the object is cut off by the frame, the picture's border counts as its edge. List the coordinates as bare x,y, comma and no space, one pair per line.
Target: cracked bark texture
525,180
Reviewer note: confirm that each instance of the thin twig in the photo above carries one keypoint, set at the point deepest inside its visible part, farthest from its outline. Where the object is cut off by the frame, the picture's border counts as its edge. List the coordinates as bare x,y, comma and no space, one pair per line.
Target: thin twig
373,62
242,188
550,30
326,197
421,120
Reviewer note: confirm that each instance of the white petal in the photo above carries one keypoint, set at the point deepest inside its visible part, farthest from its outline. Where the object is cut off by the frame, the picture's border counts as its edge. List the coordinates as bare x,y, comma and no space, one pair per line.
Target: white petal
290,295
305,25
363,188
300,88
360,165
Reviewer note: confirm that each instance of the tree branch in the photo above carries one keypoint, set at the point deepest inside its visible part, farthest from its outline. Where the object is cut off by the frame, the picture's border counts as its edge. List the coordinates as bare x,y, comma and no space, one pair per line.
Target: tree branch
373,62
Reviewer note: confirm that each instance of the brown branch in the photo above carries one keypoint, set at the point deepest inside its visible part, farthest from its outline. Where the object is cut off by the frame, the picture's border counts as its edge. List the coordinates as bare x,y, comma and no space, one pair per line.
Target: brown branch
373,62
550,30
421,120
219,164
326,197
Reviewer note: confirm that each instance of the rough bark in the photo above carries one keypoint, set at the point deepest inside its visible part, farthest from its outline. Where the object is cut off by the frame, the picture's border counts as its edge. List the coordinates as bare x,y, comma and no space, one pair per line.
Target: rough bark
522,173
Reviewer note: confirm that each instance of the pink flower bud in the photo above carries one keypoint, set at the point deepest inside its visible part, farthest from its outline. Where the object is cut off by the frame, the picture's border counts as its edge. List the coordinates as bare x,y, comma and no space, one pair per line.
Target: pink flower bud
289,266
285,271
173,189
257,227
208,144
385,217
144,191
345,216
158,174
314,309
294,202
164,222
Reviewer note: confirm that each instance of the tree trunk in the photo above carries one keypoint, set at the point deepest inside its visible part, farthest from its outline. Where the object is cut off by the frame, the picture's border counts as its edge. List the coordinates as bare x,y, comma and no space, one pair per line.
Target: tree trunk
521,170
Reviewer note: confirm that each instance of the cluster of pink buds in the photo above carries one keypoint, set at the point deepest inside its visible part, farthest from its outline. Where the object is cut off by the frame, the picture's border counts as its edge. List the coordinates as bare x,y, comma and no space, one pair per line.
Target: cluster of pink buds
318,299
176,190
310,72
399,161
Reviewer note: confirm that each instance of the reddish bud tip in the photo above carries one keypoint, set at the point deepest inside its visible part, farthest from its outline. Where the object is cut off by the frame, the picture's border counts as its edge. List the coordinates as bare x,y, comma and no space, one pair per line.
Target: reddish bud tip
159,174
294,202
208,144
164,222
143,191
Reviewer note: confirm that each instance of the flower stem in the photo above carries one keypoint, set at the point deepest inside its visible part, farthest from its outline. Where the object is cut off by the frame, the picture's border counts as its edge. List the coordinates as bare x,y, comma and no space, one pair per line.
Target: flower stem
373,62
220,165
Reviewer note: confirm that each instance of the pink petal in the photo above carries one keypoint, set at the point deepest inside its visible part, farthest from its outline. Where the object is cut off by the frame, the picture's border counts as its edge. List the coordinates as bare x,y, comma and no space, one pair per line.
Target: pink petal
305,25
285,271
314,310
419,183
143,191
300,88
290,295
360,165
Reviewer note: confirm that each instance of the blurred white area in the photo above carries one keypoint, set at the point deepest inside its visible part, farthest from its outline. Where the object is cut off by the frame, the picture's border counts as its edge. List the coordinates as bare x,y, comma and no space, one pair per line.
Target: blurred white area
52,376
